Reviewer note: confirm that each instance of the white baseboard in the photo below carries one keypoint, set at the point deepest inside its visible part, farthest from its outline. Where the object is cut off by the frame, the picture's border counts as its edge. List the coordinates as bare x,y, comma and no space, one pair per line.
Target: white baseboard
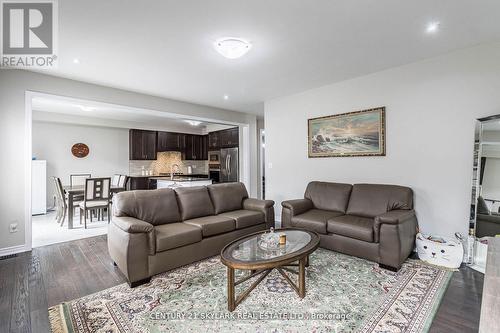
12,250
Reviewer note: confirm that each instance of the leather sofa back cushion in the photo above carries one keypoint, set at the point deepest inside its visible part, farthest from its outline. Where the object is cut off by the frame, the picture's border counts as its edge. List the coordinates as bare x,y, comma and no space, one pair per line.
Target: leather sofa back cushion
329,196
370,200
227,197
194,202
153,206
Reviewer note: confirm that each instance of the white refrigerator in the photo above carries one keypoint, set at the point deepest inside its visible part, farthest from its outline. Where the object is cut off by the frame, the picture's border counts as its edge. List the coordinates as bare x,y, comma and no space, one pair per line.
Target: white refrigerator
38,187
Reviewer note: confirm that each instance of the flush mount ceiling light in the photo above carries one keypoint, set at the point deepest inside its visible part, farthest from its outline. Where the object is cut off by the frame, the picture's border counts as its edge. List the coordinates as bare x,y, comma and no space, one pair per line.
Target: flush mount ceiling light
432,27
193,122
231,47
226,97
87,108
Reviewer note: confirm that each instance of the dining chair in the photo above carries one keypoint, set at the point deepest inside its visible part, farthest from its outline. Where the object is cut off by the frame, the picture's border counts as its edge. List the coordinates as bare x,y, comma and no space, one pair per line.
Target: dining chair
61,206
97,194
122,183
78,179
115,180
62,201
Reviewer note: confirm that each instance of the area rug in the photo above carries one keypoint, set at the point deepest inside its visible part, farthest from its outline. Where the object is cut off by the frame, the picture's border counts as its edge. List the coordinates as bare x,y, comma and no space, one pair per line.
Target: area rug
344,294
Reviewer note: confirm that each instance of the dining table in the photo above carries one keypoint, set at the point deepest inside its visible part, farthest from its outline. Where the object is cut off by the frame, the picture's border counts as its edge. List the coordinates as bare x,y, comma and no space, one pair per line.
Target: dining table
75,192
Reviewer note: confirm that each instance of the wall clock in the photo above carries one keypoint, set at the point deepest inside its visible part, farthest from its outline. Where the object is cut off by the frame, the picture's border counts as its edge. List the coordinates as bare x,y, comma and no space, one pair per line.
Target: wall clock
80,150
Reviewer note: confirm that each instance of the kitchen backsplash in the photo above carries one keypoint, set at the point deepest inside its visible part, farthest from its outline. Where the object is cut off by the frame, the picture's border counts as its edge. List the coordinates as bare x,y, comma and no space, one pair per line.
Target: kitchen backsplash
163,163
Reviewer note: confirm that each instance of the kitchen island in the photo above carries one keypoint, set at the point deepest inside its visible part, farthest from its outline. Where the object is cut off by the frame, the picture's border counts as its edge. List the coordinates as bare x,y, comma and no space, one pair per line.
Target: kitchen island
180,181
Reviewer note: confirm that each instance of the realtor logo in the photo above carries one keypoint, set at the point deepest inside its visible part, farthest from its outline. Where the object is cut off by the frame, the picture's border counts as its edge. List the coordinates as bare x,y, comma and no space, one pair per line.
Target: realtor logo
28,34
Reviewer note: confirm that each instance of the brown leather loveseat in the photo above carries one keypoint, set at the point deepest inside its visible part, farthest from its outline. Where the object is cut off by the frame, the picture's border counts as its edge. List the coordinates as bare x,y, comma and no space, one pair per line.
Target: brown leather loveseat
158,230
371,221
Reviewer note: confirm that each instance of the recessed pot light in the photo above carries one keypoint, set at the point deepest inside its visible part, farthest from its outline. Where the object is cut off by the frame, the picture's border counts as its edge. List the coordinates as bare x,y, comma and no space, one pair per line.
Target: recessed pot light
226,97
432,27
232,47
76,61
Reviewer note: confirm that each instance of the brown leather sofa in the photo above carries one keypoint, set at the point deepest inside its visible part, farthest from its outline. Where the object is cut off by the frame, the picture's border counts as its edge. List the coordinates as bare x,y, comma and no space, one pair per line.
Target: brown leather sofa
158,230
371,221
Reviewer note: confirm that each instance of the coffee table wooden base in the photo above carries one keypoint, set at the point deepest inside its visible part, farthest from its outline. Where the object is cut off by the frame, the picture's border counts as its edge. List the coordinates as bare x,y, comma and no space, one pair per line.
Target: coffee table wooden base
300,287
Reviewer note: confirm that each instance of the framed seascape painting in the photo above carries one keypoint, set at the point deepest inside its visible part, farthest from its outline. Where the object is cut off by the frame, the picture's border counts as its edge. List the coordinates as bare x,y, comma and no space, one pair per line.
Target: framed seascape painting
360,133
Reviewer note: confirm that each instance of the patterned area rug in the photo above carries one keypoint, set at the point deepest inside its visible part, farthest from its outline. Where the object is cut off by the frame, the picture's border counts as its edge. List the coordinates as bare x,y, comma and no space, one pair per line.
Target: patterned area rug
344,294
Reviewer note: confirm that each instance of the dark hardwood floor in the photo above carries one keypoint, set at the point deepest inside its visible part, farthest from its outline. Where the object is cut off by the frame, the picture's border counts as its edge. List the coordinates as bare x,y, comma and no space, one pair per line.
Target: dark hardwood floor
32,282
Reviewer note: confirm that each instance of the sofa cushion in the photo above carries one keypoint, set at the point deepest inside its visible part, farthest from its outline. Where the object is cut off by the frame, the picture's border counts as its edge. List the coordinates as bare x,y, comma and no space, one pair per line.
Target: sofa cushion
213,225
329,196
172,235
352,226
194,202
245,218
370,200
314,220
227,197
153,206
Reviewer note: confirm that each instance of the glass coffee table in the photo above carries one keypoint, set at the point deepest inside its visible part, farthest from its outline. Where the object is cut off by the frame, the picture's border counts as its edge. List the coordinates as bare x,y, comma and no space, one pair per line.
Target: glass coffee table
247,253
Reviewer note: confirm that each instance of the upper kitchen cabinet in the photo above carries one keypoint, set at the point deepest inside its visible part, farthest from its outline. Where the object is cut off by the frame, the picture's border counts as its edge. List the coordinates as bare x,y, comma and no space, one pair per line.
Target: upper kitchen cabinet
214,140
204,147
168,141
229,138
196,148
142,145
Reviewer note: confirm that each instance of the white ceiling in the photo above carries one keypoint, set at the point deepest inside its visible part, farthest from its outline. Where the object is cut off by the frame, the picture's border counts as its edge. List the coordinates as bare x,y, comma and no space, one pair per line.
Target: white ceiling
164,47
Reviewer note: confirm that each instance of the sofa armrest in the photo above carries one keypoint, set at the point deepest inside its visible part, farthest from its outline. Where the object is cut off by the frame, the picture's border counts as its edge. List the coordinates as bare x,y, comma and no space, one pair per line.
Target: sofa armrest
395,232
292,208
298,206
132,225
397,216
130,242
264,206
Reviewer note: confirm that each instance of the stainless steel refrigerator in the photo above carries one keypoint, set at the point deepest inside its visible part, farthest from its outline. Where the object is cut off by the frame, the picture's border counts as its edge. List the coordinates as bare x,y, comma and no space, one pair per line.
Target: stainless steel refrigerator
229,167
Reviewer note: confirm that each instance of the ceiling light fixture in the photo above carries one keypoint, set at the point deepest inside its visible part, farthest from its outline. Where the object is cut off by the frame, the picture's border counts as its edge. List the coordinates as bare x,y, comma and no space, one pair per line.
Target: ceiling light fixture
226,97
76,61
232,47
432,27
87,108
193,122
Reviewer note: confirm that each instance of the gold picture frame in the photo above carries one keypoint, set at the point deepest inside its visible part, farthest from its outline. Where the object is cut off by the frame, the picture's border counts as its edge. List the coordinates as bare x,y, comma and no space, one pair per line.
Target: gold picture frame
359,133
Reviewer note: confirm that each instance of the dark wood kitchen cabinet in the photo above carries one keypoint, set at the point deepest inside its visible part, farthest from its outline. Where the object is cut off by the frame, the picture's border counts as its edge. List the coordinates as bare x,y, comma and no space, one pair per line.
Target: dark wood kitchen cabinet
138,183
142,144
229,138
214,140
169,141
204,147
196,147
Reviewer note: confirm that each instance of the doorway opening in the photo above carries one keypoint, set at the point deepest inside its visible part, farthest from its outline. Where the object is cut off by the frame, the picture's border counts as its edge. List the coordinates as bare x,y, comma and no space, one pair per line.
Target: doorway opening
69,137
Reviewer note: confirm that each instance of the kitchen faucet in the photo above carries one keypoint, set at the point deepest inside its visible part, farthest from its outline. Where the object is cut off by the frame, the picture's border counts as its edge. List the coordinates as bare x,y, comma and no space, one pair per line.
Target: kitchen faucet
172,168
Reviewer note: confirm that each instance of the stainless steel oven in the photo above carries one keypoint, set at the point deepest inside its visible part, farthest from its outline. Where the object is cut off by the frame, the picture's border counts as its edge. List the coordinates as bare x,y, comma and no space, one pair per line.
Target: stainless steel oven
214,157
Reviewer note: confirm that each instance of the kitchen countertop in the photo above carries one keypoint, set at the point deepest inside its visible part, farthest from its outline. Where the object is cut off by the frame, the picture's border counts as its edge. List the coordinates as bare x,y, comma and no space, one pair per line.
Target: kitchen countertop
197,175
179,179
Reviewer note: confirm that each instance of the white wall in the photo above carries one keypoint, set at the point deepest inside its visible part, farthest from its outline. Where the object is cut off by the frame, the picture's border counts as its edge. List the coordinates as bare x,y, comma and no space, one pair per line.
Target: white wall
15,141
431,110
52,142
